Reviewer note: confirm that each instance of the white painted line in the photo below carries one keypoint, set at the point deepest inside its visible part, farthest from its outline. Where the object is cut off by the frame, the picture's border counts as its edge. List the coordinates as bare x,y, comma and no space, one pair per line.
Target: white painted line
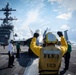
33,68
68,74
3,55
15,74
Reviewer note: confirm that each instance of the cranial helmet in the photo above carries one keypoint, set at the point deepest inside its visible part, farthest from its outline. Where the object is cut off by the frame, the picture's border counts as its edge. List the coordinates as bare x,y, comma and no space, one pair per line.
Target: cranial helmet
36,34
50,38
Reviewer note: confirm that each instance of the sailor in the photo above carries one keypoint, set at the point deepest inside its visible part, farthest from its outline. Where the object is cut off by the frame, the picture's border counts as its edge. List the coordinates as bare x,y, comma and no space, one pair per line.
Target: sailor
67,56
50,55
36,35
10,48
18,50
28,42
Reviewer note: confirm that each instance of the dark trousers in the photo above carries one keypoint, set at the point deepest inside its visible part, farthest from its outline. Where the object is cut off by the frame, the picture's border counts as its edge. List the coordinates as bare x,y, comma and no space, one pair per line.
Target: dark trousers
67,59
11,59
18,53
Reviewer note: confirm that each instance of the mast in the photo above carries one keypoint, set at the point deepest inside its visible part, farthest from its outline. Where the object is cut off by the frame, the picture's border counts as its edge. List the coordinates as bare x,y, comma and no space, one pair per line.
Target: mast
7,19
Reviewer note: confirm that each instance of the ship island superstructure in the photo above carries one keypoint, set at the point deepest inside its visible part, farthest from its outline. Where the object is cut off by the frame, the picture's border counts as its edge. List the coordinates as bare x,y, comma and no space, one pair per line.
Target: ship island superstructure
6,27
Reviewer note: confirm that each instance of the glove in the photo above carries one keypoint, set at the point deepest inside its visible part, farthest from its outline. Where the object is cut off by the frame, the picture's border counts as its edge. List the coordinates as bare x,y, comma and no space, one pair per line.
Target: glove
59,33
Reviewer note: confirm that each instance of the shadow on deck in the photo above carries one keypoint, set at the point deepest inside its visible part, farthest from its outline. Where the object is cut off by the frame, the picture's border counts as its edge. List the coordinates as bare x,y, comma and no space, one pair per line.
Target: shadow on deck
20,64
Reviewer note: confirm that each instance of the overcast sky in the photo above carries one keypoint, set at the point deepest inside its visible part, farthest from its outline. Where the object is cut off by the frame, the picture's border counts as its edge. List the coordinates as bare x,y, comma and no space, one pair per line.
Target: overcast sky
57,15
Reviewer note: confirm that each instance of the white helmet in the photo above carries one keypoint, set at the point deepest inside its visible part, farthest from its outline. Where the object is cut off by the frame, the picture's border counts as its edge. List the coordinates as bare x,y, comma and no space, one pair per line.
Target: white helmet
50,38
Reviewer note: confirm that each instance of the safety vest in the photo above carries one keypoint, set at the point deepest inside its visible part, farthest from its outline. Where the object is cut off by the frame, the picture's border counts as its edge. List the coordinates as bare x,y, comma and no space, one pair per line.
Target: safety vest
50,60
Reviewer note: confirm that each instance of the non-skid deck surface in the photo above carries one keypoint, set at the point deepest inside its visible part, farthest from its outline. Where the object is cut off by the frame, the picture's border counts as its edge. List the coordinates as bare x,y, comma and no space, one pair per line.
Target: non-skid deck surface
28,66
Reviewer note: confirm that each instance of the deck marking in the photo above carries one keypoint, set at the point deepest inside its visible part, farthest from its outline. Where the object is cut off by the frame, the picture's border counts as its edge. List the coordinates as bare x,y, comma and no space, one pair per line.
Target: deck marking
32,69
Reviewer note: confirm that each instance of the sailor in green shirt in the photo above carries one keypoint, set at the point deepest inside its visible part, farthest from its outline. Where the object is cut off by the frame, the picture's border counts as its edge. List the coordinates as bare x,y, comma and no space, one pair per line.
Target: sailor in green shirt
18,49
67,57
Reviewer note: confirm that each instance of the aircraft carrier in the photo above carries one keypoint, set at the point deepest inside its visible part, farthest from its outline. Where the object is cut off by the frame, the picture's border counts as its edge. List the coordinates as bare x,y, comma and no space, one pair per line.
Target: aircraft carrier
25,65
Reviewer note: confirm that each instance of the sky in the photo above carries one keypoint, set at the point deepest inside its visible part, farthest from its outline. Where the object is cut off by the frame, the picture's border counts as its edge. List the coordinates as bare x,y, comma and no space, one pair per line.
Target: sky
57,15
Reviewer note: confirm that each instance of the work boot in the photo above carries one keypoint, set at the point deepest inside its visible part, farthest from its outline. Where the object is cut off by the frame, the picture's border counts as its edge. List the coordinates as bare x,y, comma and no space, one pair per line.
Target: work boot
63,72
9,66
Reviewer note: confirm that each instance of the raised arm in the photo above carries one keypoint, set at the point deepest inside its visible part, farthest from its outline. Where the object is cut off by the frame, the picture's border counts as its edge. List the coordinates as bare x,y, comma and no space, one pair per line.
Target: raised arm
63,42
36,49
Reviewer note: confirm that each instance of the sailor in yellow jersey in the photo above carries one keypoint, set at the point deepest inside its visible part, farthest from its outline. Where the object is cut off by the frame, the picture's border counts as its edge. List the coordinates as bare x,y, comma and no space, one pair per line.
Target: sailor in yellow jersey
49,56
